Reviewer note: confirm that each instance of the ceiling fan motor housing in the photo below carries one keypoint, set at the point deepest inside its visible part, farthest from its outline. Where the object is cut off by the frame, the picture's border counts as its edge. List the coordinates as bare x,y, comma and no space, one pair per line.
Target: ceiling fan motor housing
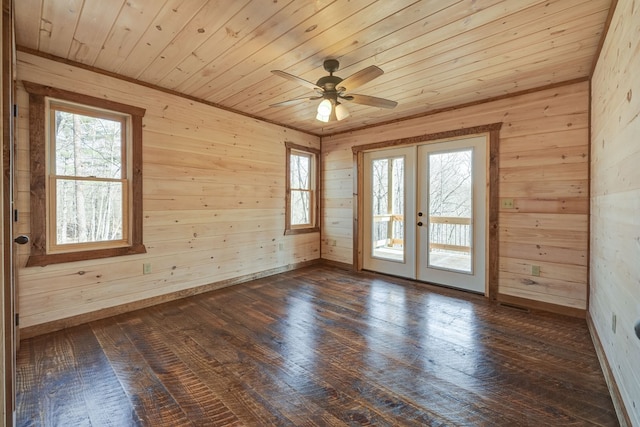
329,83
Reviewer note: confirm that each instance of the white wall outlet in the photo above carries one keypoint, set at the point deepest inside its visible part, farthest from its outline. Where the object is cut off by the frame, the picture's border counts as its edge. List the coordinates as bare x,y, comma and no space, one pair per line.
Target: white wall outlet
535,270
507,203
146,268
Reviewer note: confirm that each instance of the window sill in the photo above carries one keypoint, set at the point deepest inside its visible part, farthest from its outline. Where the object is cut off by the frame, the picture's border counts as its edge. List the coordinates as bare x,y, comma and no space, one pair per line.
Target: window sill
44,260
301,231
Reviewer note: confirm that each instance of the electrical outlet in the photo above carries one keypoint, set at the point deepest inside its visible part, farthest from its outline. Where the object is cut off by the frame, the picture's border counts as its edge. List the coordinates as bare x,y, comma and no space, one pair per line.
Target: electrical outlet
281,246
506,203
146,268
614,321
333,242
535,270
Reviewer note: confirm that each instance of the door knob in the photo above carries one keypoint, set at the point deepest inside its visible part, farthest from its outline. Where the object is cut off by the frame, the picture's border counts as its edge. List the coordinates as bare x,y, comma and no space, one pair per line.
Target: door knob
21,240
420,224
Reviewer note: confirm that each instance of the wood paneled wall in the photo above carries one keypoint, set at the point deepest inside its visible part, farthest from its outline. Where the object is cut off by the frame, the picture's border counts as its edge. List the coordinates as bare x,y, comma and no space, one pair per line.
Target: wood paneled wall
543,158
615,201
214,196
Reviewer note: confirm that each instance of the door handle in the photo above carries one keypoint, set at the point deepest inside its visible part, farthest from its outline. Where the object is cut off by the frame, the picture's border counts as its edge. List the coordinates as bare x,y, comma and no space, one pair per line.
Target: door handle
21,240
420,224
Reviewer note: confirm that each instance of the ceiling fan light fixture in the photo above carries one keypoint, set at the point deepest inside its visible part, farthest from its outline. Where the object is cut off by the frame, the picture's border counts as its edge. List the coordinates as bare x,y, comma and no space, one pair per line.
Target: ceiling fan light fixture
322,118
324,110
341,112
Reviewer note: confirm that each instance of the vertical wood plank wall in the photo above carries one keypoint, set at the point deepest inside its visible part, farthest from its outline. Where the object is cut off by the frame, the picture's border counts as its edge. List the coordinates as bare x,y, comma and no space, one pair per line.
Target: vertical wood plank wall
615,201
544,146
214,191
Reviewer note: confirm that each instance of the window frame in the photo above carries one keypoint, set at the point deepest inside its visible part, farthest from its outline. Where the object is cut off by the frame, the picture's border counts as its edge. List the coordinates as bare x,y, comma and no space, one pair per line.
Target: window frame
314,155
38,140
53,106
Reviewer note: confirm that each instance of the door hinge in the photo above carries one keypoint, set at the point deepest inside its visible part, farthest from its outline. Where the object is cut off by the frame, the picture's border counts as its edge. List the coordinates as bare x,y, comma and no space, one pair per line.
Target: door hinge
15,215
15,110
17,319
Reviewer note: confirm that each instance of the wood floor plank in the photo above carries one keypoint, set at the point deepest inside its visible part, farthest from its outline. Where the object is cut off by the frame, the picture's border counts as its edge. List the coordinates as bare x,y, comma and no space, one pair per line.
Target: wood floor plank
152,402
344,350
74,382
197,400
295,372
455,374
318,347
261,357
213,370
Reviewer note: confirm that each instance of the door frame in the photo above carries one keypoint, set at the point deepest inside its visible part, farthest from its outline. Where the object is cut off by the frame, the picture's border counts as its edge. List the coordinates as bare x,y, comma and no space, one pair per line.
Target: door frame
492,131
8,288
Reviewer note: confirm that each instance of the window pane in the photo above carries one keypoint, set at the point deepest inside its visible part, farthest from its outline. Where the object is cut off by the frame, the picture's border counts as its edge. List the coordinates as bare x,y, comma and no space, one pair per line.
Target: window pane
300,171
300,207
87,146
88,211
388,208
450,210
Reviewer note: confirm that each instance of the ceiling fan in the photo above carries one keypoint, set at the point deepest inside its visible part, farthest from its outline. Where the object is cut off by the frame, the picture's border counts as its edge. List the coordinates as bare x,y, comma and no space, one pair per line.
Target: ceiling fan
331,89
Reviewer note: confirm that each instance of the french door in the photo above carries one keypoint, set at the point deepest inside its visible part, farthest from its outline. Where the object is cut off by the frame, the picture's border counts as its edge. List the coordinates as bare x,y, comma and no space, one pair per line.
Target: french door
425,212
390,211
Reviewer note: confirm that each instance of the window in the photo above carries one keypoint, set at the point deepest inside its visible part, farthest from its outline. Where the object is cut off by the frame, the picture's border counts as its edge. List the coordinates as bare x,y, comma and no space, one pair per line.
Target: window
86,177
302,205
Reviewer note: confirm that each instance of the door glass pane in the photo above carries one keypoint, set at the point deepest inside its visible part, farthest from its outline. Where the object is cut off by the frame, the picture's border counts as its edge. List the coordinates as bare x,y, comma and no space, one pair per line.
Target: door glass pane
450,210
388,193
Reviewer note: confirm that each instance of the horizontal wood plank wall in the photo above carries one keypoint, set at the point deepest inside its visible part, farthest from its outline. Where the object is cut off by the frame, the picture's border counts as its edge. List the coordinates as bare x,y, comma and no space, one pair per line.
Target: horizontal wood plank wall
615,201
543,167
214,192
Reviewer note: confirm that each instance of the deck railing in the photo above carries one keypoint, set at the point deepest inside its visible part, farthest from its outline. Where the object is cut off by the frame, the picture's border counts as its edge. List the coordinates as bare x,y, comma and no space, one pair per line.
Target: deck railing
445,233
450,233
388,231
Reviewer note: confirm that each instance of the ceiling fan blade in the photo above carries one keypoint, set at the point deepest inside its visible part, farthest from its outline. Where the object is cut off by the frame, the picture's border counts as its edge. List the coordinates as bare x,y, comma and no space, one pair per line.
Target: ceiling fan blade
294,101
296,79
370,100
361,77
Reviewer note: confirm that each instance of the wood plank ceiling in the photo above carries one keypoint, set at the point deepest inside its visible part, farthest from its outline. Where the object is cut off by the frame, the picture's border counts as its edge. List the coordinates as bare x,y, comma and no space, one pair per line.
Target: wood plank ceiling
435,54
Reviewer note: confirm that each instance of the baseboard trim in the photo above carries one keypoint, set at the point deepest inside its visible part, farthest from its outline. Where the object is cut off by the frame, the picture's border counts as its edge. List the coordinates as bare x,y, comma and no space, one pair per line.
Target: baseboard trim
541,306
614,391
337,264
56,325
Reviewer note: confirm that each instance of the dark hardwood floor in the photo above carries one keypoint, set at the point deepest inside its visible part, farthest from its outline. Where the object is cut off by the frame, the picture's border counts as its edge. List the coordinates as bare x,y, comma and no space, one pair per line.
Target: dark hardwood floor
317,346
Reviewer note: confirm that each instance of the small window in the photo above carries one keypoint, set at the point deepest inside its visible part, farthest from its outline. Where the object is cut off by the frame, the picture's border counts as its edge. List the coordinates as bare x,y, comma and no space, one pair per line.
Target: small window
302,190
86,184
